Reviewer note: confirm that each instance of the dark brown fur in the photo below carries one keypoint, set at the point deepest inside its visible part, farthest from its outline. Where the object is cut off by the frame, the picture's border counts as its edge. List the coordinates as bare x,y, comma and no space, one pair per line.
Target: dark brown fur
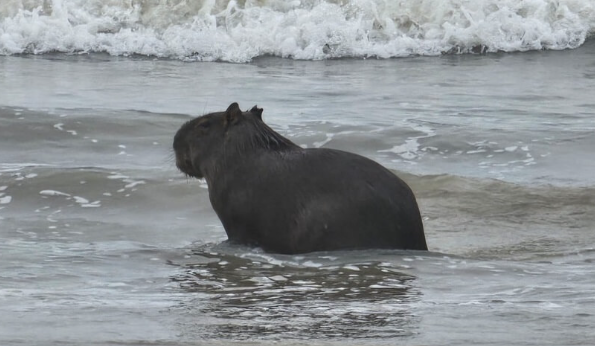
269,192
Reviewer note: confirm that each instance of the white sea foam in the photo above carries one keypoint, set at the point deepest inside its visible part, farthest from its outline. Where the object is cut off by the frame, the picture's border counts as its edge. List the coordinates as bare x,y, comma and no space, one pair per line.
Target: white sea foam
53,193
15,167
133,183
115,175
80,200
329,137
239,30
407,151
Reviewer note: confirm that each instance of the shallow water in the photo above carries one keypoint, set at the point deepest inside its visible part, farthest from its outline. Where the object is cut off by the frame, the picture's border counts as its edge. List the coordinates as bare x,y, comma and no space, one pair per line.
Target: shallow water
105,243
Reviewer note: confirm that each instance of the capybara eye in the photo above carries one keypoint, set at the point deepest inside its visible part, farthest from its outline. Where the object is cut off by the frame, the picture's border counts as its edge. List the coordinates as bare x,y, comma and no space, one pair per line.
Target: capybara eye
203,125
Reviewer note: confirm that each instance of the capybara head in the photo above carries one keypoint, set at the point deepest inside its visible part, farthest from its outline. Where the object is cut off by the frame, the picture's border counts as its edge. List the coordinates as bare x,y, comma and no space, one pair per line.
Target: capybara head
204,145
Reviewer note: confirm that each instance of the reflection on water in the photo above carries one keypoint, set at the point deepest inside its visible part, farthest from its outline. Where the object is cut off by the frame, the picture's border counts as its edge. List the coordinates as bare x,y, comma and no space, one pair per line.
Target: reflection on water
252,296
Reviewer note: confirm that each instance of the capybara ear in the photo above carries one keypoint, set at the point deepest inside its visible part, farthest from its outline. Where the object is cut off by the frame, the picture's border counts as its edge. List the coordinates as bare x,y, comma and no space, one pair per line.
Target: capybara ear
257,111
233,113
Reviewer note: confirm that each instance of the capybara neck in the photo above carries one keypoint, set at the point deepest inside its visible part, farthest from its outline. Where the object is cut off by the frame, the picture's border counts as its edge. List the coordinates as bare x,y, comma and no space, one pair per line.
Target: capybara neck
252,135
244,142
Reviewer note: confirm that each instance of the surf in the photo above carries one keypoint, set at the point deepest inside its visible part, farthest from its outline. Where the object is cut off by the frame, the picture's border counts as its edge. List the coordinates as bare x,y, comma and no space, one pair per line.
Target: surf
239,31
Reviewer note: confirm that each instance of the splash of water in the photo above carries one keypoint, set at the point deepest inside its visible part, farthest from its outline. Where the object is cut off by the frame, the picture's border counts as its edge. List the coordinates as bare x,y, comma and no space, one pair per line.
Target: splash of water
240,30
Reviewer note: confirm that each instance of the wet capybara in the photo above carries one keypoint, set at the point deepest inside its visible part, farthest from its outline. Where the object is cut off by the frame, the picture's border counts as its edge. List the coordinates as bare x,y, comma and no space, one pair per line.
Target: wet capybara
269,192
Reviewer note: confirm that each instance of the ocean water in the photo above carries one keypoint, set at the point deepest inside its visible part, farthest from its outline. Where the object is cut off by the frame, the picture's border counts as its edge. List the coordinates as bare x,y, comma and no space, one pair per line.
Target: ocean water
485,108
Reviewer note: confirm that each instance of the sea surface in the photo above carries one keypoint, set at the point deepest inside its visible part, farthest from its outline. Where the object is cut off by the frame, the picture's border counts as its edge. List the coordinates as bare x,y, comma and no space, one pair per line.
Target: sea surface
486,108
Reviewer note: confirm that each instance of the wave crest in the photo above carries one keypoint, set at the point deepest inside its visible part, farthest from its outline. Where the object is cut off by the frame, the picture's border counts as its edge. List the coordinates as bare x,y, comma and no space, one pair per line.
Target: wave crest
238,31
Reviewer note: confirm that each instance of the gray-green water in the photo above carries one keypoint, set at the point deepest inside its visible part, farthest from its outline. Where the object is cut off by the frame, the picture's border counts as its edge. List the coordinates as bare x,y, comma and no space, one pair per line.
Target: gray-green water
103,242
